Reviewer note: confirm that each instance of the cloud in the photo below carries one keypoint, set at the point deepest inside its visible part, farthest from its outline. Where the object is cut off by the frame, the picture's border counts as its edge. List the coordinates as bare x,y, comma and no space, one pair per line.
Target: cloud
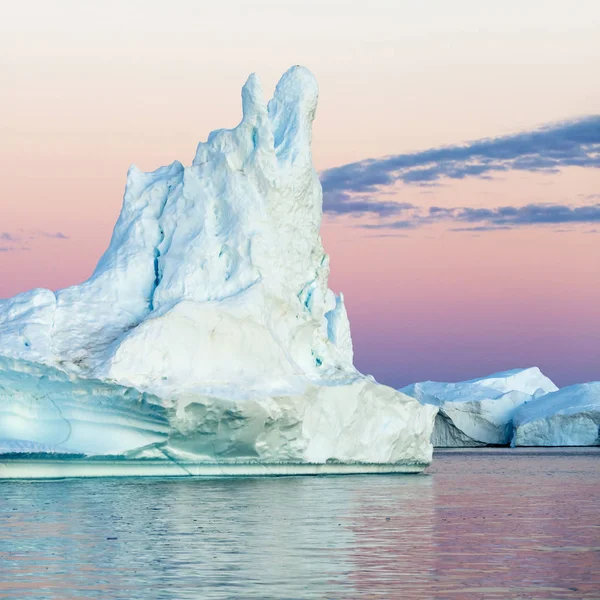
55,235
344,204
531,214
12,248
502,218
547,149
393,225
24,236
387,235
480,228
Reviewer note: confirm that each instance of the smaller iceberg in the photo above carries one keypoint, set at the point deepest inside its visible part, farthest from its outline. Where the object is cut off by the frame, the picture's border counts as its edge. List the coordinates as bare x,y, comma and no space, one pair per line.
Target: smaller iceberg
479,412
567,417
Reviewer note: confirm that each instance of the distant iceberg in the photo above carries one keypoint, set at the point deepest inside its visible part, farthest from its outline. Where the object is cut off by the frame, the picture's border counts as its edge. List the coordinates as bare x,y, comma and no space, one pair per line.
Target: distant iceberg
568,417
207,331
479,412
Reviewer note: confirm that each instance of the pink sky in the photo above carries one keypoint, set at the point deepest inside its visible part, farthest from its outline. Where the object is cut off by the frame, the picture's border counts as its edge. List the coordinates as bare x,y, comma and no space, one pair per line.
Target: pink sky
89,88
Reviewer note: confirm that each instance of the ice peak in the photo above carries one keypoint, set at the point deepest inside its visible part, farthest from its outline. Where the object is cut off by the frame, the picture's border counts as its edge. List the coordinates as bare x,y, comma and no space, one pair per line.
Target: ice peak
300,85
291,112
253,103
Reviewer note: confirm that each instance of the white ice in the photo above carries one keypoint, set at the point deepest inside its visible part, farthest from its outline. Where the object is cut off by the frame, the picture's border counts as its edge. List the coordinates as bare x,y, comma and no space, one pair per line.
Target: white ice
478,412
568,417
43,409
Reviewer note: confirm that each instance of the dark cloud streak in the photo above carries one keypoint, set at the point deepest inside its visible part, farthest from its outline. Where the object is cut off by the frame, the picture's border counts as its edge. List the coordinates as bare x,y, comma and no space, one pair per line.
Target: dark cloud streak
531,214
496,219
547,149
345,204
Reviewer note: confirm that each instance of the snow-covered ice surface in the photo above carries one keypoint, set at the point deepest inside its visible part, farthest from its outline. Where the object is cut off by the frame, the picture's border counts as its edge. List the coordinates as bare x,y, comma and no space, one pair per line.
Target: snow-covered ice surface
479,412
212,297
568,417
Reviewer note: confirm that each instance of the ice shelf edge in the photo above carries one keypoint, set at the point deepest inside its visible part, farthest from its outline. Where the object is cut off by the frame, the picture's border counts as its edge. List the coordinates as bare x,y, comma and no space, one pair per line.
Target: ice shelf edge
16,468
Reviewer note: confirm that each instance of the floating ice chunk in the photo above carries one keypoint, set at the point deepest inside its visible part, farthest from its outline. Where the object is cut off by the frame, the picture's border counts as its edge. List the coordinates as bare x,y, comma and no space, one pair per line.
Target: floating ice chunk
568,417
479,412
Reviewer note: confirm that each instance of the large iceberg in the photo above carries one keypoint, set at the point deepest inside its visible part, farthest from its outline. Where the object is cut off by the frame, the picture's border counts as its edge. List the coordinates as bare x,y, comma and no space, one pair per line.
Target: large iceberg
568,417
479,412
207,331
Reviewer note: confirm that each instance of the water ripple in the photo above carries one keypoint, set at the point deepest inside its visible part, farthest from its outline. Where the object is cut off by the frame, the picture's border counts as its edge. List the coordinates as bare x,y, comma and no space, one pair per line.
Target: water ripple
479,525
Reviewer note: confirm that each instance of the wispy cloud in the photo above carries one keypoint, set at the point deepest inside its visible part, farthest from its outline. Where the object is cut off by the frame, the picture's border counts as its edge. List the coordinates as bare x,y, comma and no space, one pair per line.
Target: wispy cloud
480,228
547,149
342,203
12,248
23,235
49,234
531,214
5,236
404,224
494,219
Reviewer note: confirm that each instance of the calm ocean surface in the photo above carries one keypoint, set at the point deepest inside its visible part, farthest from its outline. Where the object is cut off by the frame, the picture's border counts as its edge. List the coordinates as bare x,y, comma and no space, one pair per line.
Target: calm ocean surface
481,524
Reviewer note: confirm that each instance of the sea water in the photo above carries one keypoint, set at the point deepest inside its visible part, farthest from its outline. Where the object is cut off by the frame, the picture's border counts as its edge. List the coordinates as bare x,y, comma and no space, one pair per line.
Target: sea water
481,523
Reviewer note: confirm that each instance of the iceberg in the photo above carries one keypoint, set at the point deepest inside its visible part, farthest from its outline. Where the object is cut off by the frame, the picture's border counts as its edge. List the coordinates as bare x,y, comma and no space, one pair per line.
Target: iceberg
479,412
207,333
567,417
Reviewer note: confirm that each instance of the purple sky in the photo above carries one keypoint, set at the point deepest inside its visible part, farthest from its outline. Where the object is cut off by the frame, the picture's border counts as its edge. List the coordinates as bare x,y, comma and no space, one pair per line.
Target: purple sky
464,237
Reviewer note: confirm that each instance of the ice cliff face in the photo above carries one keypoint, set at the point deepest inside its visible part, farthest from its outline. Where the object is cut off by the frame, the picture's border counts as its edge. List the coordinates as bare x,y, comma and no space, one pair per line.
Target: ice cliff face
213,296
479,412
43,409
568,417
